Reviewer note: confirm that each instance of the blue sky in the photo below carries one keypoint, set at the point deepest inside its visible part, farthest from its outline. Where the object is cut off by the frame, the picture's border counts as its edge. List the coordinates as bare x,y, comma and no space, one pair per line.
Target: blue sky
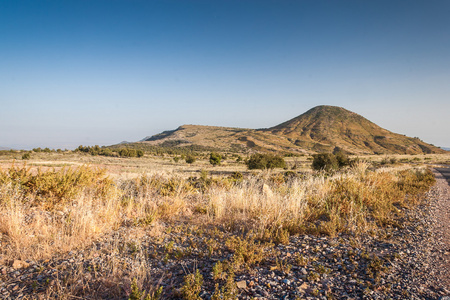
104,71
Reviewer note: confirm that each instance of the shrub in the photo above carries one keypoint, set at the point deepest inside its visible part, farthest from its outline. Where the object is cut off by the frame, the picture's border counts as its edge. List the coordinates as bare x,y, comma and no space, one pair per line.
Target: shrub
342,159
26,156
237,175
192,286
190,159
325,161
56,187
265,161
215,158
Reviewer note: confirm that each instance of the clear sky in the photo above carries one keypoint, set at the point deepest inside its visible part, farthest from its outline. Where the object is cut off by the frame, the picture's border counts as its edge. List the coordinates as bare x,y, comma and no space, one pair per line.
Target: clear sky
103,71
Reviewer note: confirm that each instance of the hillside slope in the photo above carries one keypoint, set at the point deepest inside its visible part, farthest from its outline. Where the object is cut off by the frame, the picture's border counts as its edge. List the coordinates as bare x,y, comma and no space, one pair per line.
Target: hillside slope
321,129
331,126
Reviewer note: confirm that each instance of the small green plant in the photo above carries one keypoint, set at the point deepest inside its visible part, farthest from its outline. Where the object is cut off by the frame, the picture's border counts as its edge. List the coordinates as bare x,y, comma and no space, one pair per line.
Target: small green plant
136,293
300,260
283,266
229,290
26,156
313,276
247,252
192,286
218,271
169,247
155,295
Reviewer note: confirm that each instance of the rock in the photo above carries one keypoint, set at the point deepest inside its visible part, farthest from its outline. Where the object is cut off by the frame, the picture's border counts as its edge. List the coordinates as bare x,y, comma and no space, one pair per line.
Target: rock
304,286
20,264
241,284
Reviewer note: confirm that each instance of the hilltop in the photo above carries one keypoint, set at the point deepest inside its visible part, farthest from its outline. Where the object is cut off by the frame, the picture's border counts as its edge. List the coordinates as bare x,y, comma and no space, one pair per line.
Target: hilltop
320,129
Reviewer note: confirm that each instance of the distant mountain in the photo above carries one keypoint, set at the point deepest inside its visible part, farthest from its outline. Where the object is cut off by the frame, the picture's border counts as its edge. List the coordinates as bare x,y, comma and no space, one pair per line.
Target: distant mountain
325,127
321,129
445,148
5,148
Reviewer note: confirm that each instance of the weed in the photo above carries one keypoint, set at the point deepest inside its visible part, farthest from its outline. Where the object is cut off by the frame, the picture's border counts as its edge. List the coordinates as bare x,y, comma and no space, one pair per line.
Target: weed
247,252
192,286
229,290
300,260
283,267
136,293
218,271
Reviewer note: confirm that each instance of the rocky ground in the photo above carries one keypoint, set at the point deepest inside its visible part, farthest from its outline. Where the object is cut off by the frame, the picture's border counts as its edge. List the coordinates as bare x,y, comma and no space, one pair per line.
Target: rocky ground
408,260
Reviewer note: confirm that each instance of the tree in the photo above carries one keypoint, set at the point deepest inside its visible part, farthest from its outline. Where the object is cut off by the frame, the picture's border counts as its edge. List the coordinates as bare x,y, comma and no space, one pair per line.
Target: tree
265,161
215,158
325,161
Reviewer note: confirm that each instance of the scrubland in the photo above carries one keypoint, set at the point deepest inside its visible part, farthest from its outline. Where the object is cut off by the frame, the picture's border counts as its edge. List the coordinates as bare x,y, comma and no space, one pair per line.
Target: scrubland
56,204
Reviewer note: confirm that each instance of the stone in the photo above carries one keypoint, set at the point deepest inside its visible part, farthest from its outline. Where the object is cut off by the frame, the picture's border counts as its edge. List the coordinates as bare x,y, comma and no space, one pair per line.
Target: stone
241,284
20,264
304,286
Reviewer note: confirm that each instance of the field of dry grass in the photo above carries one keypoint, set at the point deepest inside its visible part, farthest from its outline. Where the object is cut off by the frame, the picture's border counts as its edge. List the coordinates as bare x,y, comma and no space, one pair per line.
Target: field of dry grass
58,203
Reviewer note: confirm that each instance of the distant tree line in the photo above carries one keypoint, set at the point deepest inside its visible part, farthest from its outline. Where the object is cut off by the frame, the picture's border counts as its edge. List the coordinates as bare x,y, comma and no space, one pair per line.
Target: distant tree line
122,152
47,150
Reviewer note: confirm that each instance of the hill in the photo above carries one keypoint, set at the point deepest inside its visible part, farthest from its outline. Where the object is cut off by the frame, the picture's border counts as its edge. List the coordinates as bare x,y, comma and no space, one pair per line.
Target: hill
321,129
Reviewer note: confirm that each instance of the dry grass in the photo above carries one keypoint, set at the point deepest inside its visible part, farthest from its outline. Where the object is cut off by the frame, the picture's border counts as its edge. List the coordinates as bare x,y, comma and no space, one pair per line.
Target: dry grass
48,211
51,212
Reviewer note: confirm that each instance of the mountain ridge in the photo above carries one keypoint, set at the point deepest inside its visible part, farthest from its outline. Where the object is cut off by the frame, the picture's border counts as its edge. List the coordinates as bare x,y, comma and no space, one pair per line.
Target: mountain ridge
321,129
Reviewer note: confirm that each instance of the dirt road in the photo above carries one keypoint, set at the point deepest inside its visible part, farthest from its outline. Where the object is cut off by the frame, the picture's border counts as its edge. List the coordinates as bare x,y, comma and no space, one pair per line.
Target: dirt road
445,172
440,212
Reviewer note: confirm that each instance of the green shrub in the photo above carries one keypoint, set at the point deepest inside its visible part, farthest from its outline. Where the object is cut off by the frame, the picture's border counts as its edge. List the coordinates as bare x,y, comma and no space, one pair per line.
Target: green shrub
325,161
190,159
342,159
265,161
26,156
215,158
192,286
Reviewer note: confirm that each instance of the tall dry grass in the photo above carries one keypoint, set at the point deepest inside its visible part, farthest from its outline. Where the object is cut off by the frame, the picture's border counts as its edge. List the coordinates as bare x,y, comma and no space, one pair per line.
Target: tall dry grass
51,212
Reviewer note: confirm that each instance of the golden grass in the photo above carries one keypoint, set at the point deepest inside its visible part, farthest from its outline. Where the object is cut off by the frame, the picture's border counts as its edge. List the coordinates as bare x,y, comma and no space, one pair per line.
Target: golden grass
44,213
